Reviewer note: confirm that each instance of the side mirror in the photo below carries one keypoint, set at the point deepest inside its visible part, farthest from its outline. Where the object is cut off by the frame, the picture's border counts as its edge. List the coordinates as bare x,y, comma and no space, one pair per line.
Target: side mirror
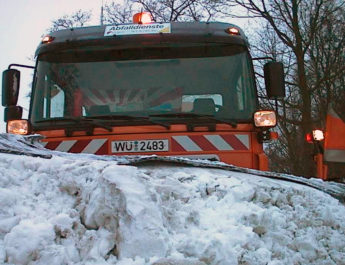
13,113
10,87
274,80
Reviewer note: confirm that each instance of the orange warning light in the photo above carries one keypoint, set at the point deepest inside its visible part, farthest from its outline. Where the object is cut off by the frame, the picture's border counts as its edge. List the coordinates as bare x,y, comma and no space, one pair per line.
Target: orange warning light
142,18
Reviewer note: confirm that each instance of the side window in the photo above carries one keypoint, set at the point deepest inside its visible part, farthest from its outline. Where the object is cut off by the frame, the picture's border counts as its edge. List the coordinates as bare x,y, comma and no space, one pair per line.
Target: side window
54,101
243,87
57,102
240,94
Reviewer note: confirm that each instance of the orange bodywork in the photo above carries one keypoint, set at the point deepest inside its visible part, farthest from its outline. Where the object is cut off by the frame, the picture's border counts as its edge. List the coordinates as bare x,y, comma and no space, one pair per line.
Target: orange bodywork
238,146
334,145
334,138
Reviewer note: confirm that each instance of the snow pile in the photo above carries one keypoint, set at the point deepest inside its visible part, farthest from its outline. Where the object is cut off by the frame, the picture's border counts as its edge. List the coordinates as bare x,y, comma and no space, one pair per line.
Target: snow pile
69,210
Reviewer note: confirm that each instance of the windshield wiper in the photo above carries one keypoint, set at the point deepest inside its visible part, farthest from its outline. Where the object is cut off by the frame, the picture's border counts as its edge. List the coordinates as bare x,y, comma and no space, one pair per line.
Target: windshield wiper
116,117
97,120
197,116
82,120
130,117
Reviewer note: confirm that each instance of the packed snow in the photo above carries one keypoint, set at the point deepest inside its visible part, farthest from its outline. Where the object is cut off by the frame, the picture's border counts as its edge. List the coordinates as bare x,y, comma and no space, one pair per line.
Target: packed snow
75,209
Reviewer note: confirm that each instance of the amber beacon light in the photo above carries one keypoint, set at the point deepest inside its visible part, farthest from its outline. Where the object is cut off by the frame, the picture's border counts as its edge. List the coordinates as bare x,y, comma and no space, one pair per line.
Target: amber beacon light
142,18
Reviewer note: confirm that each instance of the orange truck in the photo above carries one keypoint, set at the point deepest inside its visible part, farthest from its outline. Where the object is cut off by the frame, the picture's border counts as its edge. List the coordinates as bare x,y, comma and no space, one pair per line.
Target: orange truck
169,89
329,144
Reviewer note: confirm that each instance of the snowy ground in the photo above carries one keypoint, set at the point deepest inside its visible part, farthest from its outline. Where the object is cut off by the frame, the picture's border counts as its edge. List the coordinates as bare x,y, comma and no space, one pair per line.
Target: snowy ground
79,210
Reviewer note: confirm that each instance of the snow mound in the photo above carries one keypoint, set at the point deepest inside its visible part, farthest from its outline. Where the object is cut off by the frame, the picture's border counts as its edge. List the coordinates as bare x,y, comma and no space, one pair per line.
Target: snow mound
78,210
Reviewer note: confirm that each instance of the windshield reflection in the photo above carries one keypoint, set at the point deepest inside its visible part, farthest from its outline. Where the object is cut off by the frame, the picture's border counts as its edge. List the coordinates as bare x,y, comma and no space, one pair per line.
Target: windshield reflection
219,86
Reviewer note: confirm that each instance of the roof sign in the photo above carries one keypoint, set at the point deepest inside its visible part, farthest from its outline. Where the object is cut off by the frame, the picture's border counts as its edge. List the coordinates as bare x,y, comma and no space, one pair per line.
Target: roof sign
136,29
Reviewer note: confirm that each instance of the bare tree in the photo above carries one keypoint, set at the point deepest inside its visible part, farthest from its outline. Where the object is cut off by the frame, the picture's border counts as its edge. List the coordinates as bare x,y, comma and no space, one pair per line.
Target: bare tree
118,13
326,67
77,19
182,10
299,33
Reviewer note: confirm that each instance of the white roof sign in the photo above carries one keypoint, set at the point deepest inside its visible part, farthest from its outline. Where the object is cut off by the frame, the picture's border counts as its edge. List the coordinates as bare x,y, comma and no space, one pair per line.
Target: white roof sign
134,29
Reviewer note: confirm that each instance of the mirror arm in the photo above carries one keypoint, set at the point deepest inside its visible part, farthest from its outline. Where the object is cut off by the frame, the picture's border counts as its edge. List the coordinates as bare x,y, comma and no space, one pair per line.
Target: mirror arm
258,74
21,65
263,58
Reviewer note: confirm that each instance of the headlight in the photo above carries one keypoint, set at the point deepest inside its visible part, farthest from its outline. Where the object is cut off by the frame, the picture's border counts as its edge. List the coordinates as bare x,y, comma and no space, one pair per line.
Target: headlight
18,127
315,136
265,118
318,135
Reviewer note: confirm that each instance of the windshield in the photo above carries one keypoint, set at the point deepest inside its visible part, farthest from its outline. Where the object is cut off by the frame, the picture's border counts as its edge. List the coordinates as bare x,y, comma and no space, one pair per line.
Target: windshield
216,82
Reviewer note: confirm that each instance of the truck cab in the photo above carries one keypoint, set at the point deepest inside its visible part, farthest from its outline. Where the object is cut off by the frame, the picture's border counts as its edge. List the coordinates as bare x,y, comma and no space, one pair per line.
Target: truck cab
171,89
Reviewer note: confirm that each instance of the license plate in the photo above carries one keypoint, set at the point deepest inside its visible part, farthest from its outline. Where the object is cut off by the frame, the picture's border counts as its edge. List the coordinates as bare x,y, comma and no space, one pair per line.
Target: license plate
161,145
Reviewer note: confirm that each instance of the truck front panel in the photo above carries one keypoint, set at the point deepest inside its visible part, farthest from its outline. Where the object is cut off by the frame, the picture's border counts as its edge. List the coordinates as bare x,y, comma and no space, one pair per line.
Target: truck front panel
188,92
